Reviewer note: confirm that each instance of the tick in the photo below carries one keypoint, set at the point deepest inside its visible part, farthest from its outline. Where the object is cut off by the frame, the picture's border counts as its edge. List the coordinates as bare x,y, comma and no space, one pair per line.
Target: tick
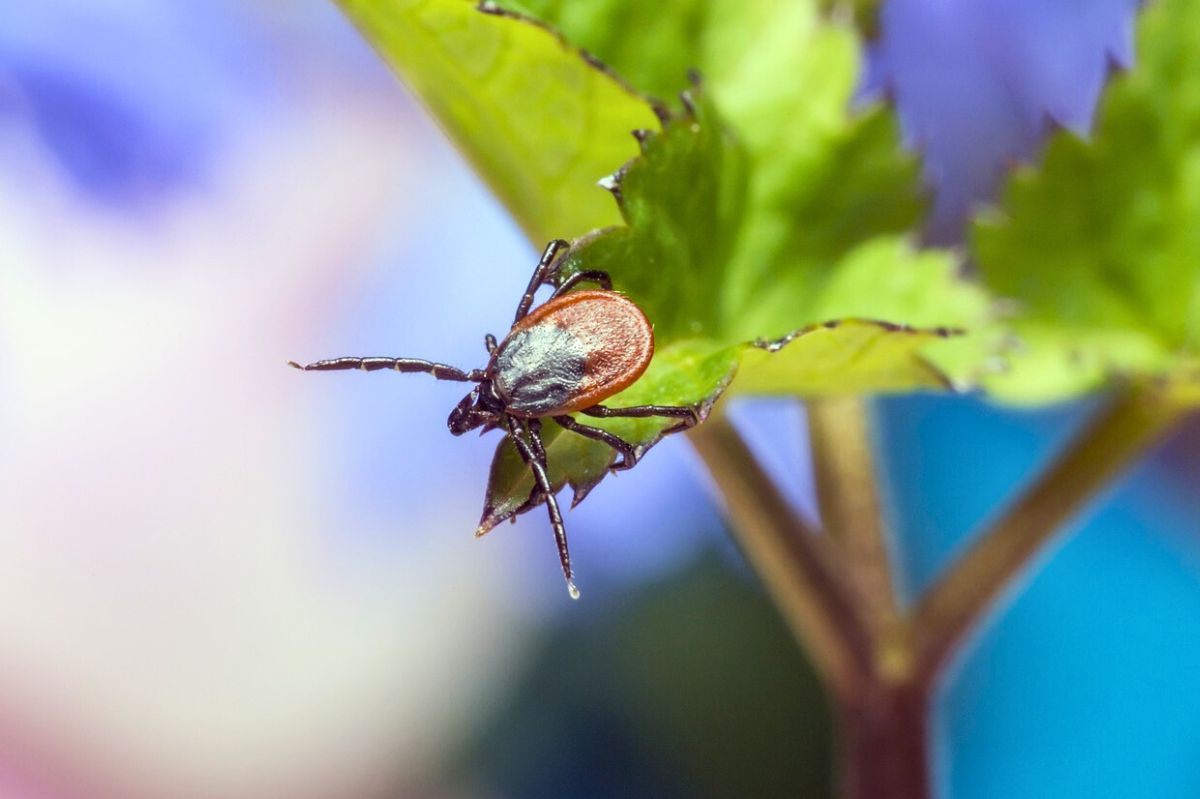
565,356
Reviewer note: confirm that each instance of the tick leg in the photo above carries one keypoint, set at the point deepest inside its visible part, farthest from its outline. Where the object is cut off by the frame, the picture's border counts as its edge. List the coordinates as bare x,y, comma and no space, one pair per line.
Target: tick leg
489,341
540,275
688,416
642,411
587,276
629,453
542,479
535,441
439,370
539,452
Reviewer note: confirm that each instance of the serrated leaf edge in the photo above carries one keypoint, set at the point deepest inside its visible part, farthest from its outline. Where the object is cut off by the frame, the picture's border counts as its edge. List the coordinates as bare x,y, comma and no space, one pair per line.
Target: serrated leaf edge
493,9
773,346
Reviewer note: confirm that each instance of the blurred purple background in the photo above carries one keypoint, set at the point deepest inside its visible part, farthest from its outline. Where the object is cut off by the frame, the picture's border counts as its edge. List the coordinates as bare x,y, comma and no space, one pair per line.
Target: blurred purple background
219,578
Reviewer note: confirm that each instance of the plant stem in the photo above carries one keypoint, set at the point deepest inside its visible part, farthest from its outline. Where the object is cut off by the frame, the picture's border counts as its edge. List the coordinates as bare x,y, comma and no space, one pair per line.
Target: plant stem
884,741
840,438
881,665
1122,432
793,561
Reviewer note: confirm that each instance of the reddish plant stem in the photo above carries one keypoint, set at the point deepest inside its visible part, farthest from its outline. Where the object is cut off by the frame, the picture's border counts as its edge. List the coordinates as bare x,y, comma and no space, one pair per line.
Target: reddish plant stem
885,744
883,731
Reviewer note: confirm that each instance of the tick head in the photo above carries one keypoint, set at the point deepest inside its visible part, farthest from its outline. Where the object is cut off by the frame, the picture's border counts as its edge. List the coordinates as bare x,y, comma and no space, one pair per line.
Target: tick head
463,417
475,410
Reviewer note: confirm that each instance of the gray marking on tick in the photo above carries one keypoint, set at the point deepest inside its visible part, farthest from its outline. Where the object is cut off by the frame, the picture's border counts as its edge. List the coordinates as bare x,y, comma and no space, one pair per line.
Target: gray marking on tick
540,368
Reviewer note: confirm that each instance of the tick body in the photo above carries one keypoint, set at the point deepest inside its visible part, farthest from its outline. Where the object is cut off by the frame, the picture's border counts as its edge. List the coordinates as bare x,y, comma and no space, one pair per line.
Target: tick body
565,356
575,351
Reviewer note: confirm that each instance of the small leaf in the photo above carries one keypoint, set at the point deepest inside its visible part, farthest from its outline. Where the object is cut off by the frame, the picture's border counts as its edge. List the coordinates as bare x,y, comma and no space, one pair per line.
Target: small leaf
539,121
704,259
689,373
678,376
1100,247
848,356
572,460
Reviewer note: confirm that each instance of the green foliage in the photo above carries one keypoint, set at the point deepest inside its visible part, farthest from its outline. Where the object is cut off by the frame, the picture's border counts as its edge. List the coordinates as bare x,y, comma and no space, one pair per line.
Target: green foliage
693,256
753,214
680,373
717,258
572,460
653,45
539,122
1100,247
765,207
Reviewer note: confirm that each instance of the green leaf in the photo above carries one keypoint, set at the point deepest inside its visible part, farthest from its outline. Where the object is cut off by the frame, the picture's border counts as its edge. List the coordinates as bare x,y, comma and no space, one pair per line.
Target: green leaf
766,208
846,356
1100,247
653,45
678,375
686,202
571,460
706,256
753,216
539,121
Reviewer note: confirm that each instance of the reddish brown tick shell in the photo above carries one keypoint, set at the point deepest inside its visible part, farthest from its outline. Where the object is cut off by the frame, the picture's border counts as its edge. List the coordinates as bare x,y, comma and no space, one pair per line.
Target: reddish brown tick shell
571,353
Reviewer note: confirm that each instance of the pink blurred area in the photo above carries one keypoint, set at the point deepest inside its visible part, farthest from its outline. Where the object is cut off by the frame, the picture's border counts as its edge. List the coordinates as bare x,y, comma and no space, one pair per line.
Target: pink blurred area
179,613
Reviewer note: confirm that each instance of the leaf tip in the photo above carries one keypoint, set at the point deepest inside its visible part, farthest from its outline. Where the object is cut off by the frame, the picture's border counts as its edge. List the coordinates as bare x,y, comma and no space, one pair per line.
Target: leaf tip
611,184
581,488
491,518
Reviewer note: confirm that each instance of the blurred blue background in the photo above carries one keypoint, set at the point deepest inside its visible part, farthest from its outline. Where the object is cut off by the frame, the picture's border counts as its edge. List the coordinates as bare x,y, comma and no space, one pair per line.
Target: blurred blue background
220,578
